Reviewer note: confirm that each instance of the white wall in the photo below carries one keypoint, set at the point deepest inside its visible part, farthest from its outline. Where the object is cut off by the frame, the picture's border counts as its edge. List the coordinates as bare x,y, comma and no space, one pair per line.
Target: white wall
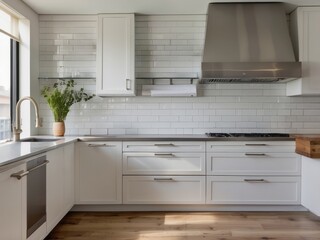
29,60
165,46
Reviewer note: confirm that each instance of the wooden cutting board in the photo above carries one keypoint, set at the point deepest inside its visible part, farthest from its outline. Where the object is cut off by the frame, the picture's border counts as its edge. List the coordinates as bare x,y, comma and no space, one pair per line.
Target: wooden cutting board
308,145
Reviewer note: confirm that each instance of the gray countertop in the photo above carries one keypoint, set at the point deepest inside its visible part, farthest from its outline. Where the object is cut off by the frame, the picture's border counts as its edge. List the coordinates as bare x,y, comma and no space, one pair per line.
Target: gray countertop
16,151
185,137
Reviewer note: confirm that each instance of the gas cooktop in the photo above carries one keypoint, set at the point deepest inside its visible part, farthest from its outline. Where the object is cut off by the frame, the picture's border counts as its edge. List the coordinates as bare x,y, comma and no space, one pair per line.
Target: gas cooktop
247,134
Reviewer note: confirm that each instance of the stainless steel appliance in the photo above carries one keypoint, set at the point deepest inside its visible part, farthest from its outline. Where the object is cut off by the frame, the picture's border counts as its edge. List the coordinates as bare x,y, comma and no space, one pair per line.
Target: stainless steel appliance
248,42
36,194
248,135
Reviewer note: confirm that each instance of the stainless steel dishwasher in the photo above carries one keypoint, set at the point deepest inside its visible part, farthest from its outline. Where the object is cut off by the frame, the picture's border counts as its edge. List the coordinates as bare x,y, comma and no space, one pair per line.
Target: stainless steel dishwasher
36,192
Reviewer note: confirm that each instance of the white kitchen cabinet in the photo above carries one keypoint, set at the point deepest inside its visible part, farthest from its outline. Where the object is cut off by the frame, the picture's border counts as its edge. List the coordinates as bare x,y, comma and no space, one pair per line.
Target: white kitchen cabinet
164,146
55,188
69,177
13,205
99,173
253,158
135,163
253,190
305,30
60,184
164,189
115,55
310,181
253,172
165,172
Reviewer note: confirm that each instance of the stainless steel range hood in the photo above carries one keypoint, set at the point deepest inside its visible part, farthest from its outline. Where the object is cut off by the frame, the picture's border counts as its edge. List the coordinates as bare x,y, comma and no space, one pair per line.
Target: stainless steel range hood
248,42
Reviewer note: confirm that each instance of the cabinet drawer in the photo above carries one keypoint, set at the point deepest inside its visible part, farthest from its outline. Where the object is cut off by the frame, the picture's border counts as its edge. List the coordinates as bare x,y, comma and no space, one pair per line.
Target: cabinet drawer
253,190
164,146
253,164
164,190
251,147
164,163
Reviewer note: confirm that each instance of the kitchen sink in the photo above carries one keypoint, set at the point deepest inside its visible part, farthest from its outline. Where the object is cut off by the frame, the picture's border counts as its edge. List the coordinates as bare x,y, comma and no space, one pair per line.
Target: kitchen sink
34,139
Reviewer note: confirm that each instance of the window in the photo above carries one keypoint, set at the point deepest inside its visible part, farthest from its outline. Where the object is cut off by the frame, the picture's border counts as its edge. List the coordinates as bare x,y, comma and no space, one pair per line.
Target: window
9,69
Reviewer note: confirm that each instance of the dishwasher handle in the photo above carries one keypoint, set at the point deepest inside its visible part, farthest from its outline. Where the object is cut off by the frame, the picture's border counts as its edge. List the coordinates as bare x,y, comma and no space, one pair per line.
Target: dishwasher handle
20,174
39,166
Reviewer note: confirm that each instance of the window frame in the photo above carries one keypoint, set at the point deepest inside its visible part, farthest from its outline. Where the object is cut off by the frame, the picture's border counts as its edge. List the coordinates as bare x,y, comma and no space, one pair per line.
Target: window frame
14,79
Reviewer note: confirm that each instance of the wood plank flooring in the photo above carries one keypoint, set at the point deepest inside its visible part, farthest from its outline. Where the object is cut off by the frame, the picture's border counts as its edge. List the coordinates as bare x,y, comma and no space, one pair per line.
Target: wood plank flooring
188,226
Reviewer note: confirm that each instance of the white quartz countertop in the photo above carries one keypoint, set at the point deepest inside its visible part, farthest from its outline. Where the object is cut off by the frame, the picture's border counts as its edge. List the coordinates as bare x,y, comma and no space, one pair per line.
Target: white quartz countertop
15,151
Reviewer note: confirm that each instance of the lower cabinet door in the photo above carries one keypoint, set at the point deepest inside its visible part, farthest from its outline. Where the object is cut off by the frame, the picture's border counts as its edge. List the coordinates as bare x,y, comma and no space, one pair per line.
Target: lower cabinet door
99,174
163,190
12,213
253,190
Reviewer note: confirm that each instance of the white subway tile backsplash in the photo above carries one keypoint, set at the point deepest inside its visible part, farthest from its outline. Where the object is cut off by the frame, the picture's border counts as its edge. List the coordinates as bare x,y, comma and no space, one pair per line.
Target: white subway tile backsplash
166,46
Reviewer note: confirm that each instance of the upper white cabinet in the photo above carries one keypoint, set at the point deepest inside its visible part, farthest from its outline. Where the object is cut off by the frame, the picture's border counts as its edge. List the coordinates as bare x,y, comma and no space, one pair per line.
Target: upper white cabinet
115,55
305,29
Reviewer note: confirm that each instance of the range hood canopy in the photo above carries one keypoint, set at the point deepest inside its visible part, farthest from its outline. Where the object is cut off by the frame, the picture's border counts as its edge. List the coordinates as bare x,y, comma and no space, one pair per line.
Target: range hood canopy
248,42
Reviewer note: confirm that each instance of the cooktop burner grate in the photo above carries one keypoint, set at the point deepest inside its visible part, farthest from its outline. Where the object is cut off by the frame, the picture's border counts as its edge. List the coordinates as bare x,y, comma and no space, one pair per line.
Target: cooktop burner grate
247,135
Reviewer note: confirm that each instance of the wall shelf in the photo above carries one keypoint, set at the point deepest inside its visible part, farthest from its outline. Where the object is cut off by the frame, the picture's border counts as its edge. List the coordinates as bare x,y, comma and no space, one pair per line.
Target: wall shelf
192,79
65,78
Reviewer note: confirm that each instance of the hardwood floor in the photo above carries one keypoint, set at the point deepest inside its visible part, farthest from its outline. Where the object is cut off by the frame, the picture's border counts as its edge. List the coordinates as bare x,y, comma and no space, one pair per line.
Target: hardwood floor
188,226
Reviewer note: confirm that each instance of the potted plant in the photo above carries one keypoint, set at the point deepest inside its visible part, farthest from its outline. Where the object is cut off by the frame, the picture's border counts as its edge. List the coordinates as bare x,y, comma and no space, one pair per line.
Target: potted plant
60,97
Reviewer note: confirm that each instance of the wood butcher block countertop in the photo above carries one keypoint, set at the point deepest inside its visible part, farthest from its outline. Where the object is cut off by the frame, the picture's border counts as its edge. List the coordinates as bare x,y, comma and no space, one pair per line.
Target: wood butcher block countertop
308,145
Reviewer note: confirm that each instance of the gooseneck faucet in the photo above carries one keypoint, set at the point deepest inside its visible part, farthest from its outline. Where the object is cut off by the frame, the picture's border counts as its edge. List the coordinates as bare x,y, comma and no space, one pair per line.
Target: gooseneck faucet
17,128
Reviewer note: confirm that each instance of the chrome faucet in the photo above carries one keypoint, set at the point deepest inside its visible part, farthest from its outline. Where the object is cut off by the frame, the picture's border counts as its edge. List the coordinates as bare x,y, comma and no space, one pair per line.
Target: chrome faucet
17,128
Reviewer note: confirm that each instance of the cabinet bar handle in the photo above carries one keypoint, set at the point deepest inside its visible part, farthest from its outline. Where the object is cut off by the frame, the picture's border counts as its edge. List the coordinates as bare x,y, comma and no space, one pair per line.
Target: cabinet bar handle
39,166
20,174
255,154
255,180
163,155
128,84
164,145
163,179
256,144
100,145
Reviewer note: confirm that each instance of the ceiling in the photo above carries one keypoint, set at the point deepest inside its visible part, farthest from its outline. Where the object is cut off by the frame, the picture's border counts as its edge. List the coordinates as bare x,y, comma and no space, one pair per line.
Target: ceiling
140,6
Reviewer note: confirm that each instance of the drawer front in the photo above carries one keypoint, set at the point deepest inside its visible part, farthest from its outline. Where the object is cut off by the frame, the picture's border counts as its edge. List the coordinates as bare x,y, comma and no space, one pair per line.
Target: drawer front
164,190
253,190
164,163
164,146
251,147
253,164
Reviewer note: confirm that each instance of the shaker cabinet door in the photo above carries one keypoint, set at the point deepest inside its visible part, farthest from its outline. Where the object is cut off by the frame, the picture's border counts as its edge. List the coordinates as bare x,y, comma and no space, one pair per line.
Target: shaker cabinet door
115,55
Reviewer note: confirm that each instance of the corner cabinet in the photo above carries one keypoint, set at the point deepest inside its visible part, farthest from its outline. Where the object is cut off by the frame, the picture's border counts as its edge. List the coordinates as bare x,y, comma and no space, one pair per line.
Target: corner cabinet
115,55
305,30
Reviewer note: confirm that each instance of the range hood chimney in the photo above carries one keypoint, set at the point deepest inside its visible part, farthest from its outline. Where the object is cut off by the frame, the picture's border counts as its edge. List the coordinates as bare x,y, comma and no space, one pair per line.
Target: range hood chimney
248,42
